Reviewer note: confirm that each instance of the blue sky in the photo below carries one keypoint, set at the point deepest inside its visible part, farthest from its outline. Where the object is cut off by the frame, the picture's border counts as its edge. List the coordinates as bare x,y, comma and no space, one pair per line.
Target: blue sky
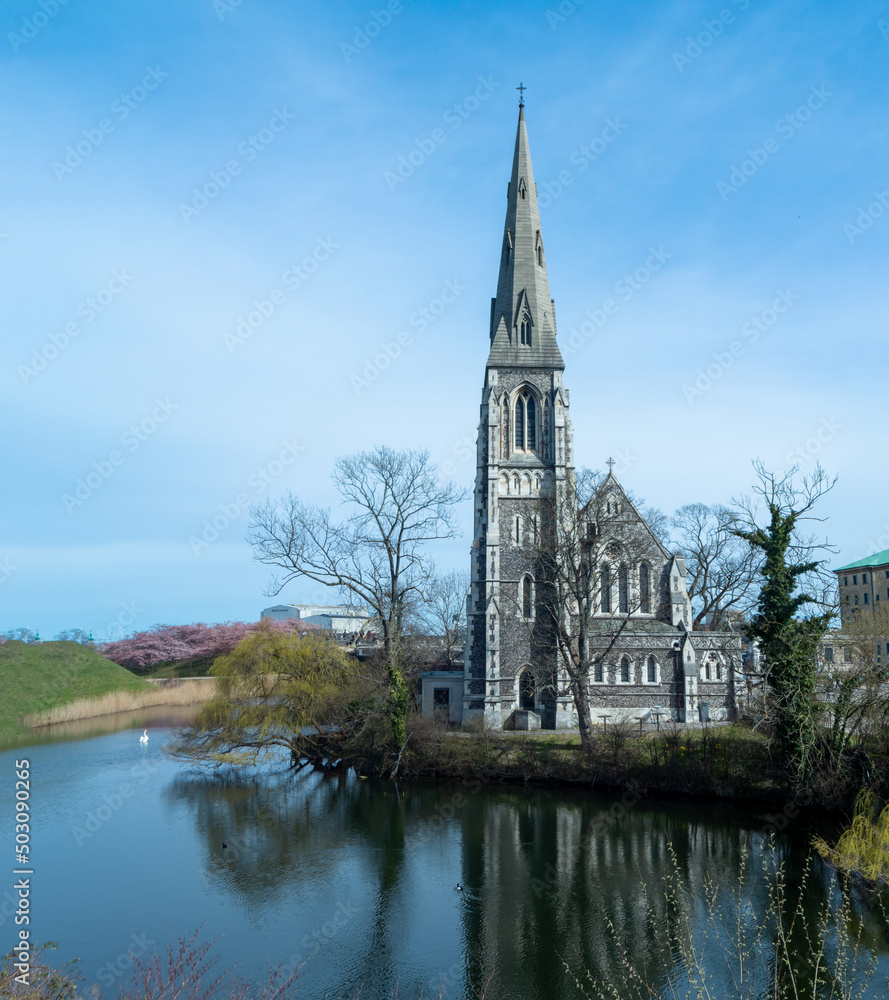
168,168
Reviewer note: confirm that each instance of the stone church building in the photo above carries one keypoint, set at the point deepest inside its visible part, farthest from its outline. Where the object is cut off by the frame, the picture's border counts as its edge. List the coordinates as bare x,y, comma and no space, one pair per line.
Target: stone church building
649,663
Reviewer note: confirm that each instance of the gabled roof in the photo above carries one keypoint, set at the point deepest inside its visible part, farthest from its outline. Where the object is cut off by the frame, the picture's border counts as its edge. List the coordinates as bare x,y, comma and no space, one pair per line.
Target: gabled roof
612,482
877,559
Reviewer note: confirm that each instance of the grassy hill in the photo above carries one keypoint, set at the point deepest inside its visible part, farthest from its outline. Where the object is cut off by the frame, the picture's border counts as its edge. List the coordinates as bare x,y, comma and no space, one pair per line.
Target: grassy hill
37,678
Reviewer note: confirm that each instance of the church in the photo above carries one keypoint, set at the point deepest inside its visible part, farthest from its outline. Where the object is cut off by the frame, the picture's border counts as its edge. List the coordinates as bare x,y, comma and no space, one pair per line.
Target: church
646,660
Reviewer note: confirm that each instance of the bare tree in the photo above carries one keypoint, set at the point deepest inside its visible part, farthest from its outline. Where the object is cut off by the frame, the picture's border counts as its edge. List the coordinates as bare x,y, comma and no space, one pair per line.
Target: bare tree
376,555
591,535
723,570
443,612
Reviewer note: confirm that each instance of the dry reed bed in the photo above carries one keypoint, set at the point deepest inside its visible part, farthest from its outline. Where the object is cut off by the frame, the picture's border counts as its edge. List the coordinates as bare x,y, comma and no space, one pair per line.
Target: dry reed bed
191,692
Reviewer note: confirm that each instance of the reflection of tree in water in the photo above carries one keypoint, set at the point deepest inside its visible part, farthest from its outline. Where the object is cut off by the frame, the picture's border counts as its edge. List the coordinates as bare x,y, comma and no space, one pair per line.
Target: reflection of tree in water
566,879
284,832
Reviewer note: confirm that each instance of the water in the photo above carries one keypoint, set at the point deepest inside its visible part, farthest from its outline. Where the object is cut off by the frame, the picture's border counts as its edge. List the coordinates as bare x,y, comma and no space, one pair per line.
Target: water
359,876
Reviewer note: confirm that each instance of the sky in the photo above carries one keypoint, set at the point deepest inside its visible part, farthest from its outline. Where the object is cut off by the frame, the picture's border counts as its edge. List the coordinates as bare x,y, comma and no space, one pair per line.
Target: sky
223,222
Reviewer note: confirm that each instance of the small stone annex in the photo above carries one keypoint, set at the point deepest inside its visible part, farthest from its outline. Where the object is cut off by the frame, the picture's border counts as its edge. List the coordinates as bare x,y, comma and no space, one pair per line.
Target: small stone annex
649,662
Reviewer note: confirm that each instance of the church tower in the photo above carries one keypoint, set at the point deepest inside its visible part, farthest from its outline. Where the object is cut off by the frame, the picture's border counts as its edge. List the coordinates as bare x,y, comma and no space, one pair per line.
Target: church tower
525,445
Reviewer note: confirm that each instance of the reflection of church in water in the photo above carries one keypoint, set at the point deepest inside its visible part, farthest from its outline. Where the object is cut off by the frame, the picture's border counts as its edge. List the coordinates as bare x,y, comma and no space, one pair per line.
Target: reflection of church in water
525,453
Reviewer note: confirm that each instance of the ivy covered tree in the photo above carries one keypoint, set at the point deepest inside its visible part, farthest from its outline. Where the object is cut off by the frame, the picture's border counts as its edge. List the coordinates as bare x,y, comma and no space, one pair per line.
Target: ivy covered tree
795,605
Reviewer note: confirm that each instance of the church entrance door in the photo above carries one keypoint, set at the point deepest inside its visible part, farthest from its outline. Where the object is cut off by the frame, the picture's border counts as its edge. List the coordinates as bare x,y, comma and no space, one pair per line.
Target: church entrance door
526,691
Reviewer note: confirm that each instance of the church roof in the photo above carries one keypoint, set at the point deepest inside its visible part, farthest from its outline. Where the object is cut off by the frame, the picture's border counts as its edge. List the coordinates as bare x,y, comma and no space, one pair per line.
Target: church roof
523,285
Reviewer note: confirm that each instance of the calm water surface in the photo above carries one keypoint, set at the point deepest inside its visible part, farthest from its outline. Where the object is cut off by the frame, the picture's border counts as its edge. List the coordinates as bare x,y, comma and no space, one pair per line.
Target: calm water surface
359,876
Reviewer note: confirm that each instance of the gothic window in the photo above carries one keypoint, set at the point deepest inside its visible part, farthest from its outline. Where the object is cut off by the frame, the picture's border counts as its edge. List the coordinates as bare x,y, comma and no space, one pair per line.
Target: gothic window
623,589
527,596
707,670
522,187
624,670
645,589
652,670
598,672
525,330
540,255
518,530
605,585
531,409
526,422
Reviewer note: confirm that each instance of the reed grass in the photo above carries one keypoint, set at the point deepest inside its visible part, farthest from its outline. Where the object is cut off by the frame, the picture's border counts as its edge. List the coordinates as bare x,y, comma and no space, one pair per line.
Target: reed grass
192,692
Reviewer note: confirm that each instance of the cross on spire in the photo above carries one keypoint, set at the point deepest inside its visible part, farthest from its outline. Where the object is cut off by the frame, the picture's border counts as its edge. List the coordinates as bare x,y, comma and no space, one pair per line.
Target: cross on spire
521,89
610,464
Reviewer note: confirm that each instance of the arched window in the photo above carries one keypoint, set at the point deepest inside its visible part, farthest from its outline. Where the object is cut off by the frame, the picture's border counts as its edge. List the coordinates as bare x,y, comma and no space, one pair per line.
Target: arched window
527,597
526,691
518,530
645,589
525,330
652,670
540,255
623,589
525,422
598,674
605,585
624,670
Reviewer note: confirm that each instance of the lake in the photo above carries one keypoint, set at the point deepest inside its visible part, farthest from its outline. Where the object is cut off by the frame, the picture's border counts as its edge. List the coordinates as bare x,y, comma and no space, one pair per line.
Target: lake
359,876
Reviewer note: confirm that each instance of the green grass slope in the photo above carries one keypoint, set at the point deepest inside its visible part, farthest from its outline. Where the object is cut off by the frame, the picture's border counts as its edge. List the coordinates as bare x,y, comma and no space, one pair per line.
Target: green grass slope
37,678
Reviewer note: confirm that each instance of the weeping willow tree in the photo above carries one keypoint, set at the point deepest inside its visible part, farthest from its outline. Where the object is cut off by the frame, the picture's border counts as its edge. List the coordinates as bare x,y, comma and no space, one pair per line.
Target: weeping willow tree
863,849
276,691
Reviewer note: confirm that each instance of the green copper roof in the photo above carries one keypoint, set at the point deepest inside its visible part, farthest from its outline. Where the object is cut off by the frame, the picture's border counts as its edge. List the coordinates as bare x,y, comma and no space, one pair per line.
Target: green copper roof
877,559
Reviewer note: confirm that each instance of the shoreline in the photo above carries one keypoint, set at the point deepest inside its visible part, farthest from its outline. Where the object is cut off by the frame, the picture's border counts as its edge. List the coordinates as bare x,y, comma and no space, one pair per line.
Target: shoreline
192,691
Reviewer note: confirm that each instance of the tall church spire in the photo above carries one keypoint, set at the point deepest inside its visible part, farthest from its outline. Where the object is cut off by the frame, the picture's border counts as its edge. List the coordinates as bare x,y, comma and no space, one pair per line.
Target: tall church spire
523,323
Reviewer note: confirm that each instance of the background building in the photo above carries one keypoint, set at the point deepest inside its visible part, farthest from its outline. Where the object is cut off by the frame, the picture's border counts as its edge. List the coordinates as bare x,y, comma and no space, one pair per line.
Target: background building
338,617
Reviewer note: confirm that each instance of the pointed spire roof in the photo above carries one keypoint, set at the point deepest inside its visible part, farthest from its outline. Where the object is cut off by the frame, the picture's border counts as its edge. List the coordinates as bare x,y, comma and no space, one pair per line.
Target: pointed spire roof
523,286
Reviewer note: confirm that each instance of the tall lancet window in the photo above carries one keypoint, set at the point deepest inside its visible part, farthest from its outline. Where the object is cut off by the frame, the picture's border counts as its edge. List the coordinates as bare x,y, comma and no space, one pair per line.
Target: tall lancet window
525,330
605,587
525,422
645,589
623,589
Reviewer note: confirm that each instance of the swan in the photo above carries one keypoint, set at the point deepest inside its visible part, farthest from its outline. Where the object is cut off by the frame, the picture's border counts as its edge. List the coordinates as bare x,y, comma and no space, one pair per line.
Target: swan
144,737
